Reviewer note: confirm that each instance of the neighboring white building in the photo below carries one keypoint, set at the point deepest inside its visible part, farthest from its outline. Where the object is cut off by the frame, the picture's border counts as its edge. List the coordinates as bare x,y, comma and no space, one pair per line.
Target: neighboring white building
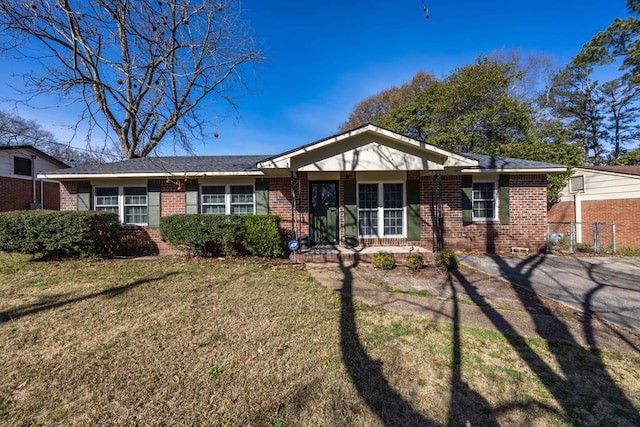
19,186
603,194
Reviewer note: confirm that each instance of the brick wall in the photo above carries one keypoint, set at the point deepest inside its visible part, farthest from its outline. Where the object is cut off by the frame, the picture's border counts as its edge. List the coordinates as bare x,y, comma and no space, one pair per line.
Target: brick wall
281,201
527,214
142,241
173,197
17,194
69,195
527,228
623,211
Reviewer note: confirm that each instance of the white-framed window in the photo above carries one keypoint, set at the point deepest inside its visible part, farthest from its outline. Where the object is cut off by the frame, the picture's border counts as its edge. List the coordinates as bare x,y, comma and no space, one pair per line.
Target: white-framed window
129,203
213,199
227,199
485,201
381,209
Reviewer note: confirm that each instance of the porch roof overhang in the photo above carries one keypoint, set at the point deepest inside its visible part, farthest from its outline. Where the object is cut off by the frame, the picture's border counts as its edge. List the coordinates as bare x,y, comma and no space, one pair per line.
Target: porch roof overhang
367,148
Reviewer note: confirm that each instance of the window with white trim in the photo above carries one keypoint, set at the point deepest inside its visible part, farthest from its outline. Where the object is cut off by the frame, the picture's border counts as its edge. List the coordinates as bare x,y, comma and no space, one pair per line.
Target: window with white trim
381,210
213,199
227,199
485,201
129,203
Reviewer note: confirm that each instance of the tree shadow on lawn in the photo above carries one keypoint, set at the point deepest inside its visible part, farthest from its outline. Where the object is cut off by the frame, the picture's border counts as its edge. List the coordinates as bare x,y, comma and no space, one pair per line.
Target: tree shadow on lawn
366,373
60,300
583,389
584,381
466,405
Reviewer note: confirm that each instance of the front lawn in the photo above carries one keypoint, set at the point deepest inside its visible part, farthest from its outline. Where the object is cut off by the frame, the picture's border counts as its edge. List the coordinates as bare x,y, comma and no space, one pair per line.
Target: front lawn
170,341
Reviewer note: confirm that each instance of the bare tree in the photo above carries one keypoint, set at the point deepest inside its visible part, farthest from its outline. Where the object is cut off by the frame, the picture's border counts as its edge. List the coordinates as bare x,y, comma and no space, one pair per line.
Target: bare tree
16,130
142,68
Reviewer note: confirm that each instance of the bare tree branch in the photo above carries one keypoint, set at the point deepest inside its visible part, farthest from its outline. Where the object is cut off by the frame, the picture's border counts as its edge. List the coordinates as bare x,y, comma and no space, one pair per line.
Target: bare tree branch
143,69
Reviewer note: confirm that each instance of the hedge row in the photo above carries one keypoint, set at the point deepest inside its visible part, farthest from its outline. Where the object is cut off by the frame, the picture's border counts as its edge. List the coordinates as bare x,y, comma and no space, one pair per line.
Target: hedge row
59,233
214,235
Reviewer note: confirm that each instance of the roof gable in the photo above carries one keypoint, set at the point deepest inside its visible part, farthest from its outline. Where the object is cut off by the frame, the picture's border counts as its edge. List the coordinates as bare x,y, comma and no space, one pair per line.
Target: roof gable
369,148
35,151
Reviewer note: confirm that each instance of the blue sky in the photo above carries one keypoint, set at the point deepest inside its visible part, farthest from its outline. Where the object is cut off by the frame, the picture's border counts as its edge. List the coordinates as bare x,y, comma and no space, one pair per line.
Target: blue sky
324,57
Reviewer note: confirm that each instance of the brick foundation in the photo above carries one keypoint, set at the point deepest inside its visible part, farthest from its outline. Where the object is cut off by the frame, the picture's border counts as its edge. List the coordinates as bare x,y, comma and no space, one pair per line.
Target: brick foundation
142,241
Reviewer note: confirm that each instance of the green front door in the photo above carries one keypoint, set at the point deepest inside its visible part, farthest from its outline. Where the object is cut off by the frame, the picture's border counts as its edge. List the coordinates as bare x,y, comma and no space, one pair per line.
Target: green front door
323,212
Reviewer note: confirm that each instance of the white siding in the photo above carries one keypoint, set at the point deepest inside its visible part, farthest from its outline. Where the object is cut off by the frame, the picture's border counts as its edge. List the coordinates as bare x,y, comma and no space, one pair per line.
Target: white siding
6,163
601,185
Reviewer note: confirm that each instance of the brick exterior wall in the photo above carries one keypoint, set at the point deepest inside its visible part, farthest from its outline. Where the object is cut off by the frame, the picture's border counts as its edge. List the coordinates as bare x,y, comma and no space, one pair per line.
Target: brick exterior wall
69,195
17,194
527,216
527,228
173,197
281,201
623,211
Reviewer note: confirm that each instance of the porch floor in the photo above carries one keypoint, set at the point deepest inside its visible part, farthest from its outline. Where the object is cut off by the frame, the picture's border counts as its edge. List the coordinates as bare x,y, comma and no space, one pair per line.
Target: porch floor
342,254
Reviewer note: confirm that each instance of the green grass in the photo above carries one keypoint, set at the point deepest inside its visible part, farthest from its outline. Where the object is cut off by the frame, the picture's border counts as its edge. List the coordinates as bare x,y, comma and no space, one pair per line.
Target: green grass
246,342
628,251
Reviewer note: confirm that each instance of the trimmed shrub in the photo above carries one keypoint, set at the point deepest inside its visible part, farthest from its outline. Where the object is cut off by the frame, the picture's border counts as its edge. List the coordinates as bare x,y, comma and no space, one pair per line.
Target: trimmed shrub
262,235
203,235
383,260
59,233
446,259
414,261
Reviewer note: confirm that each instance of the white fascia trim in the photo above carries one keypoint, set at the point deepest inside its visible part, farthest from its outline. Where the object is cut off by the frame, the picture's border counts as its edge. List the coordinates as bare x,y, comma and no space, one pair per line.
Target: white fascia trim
515,171
368,128
611,173
146,175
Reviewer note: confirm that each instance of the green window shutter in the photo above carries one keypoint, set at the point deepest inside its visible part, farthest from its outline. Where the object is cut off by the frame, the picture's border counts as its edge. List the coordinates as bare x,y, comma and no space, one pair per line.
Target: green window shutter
413,210
504,199
262,197
350,208
84,197
467,199
192,197
153,205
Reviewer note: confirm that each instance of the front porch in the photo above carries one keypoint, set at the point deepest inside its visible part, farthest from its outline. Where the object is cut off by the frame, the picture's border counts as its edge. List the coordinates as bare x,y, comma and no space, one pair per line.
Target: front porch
350,256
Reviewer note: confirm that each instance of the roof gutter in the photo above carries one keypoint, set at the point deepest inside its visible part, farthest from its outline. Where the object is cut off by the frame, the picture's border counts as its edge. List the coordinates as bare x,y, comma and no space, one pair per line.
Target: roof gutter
76,176
520,171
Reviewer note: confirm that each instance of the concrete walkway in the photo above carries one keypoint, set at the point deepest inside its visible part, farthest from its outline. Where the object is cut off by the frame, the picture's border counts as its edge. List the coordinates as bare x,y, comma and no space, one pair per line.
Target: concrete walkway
587,333
606,287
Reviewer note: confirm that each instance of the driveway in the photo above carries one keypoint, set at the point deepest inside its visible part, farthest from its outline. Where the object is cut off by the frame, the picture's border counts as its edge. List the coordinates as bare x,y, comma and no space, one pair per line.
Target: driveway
607,287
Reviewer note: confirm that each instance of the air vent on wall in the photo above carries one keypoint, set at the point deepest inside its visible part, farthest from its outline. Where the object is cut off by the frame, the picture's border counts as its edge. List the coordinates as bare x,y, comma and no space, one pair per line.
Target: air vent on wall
576,184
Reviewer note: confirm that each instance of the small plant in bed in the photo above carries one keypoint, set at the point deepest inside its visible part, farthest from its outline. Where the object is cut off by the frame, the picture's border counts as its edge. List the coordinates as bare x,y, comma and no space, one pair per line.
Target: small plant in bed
447,259
414,261
382,260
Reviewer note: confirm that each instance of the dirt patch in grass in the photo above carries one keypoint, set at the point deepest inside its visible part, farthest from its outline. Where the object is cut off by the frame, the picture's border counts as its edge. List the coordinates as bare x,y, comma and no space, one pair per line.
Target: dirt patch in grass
174,341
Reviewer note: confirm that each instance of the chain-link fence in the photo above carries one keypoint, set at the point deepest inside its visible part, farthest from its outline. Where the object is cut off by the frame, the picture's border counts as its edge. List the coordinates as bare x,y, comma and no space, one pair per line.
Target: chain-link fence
587,237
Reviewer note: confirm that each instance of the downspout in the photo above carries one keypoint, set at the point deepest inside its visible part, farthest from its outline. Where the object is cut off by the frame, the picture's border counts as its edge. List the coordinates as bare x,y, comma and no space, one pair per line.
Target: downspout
577,204
41,194
33,179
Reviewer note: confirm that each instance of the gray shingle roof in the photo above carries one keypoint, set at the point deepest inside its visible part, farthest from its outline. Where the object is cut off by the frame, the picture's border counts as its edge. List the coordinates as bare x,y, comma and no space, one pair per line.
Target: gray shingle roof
177,164
494,162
